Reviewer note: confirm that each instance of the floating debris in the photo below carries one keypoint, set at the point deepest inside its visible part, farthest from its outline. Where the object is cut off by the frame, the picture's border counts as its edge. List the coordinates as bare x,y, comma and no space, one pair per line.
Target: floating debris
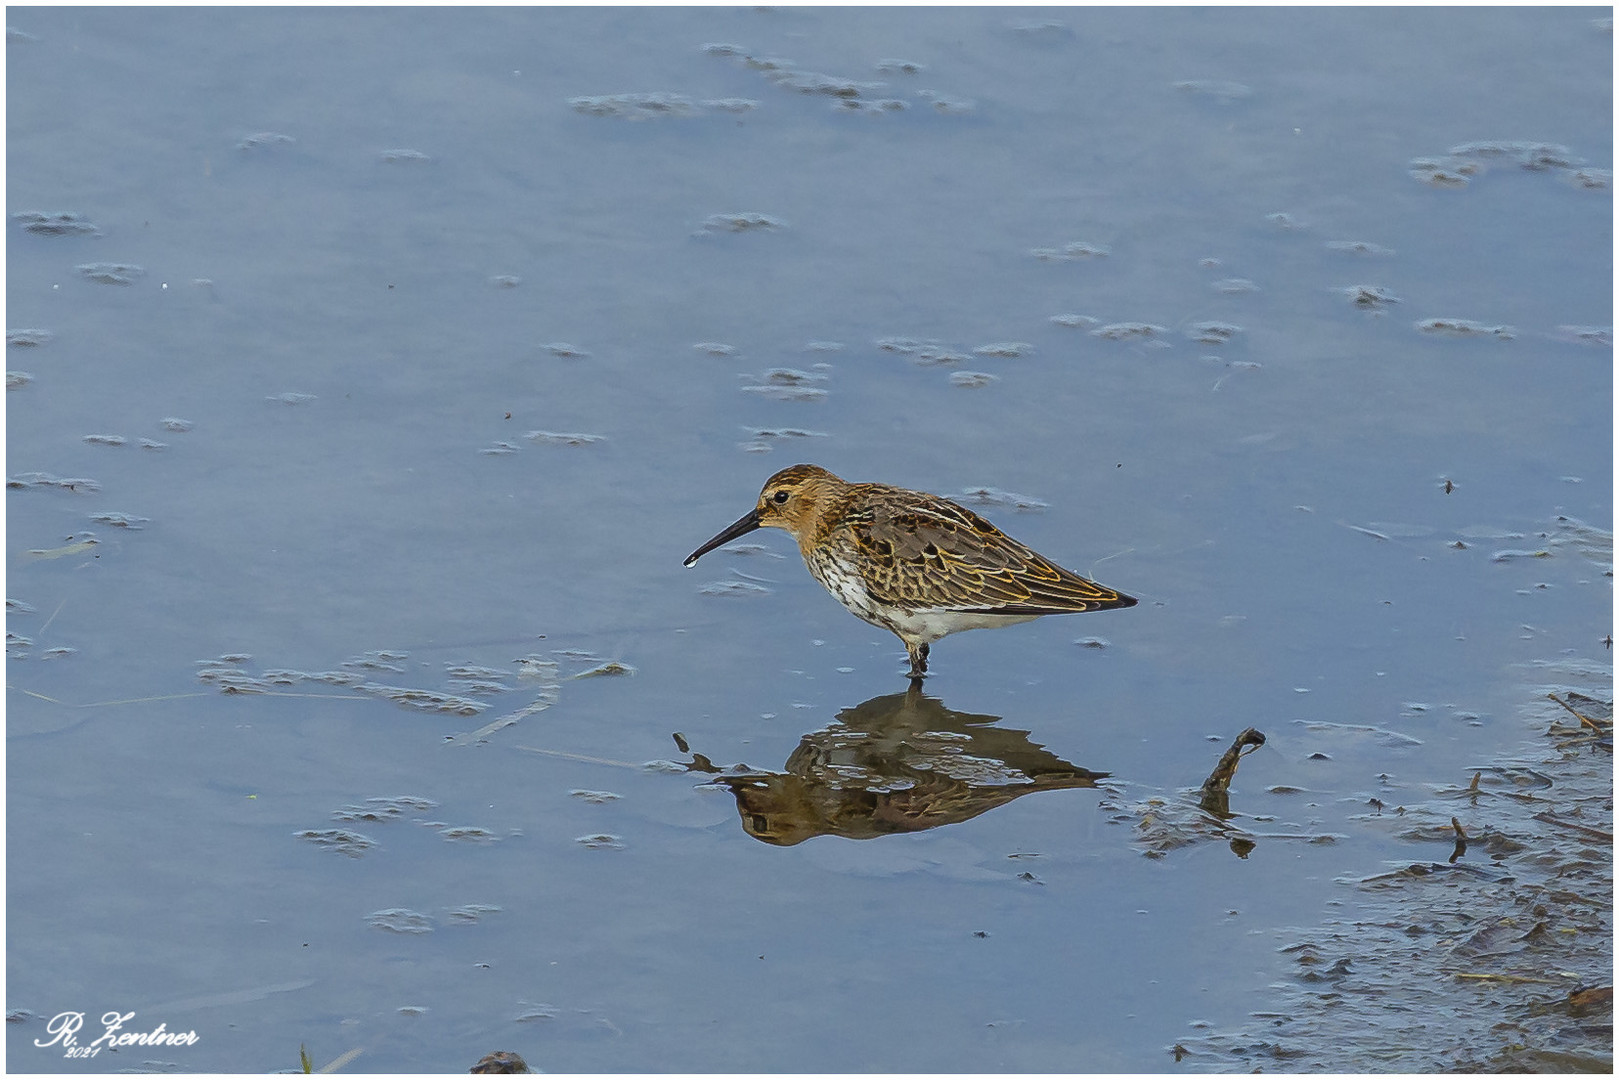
423,700
468,834
27,339
1285,221
478,687
973,380
988,496
343,841
108,273
1007,349
105,440
505,281
85,542
946,106
745,222
533,667
291,397
932,357
500,448
174,423
120,521
601,842
76,484
873,107
559,438
1535,156
1214,796
1438,172
16,380
565,350
378,660
472,671
634,106
1048,31
404,157
715,348
1129,331
1076,322
594,796
265,139
1212,333
1078,249
1233,286
786,384
152,444
54,223
814,82
1514,554
1465,328
1601,336
400,921
1224,91
733,105
1358,247
611,667
1591,179
469,914
1372,297
784,433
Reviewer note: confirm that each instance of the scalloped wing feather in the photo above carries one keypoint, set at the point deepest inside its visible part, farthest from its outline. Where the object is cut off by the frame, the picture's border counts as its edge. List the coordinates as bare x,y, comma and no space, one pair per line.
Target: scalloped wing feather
926,552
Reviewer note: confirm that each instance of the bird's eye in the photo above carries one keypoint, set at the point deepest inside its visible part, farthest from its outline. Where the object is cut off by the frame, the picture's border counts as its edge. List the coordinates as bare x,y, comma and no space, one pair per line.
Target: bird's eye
780,496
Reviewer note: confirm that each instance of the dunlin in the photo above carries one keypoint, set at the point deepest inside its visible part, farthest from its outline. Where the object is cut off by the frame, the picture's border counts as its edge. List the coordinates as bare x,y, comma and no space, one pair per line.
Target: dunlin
911,562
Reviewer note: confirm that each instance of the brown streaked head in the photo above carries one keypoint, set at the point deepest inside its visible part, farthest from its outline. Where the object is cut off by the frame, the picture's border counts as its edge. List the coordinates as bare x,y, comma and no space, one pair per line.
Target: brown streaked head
791,500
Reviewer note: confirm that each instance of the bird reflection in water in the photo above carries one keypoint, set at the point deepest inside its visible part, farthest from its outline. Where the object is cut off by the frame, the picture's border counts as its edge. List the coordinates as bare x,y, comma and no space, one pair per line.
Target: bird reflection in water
896,764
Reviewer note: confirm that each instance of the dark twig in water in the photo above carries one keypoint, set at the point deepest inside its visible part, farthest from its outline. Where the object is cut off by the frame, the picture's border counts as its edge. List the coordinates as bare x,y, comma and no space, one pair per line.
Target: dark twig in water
1461,837
1552,819
1586,720
1214,795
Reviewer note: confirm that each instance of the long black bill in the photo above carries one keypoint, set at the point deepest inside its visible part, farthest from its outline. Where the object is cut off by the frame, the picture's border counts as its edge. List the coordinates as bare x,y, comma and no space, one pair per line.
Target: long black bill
740,527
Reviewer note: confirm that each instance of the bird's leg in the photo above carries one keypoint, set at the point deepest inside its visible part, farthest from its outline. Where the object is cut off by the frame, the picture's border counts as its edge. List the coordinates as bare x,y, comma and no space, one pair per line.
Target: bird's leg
919,659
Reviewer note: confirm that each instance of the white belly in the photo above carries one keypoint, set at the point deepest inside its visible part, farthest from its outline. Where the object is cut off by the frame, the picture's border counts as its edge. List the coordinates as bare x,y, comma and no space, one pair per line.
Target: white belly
916,626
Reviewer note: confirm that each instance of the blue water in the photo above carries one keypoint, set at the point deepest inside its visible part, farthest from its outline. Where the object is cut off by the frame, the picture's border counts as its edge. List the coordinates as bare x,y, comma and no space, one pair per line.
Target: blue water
443,230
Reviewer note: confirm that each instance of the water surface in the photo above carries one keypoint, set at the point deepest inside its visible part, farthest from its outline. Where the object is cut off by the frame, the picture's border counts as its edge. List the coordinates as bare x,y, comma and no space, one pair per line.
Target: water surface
1162,274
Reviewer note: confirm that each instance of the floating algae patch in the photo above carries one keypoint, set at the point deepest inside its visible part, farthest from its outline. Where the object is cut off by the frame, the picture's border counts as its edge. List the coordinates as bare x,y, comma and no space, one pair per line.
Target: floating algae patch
1489,948
343,841
384,808
232,677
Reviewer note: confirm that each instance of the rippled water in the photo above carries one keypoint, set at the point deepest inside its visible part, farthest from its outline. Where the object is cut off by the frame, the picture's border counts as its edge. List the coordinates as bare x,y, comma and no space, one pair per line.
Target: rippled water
372,372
